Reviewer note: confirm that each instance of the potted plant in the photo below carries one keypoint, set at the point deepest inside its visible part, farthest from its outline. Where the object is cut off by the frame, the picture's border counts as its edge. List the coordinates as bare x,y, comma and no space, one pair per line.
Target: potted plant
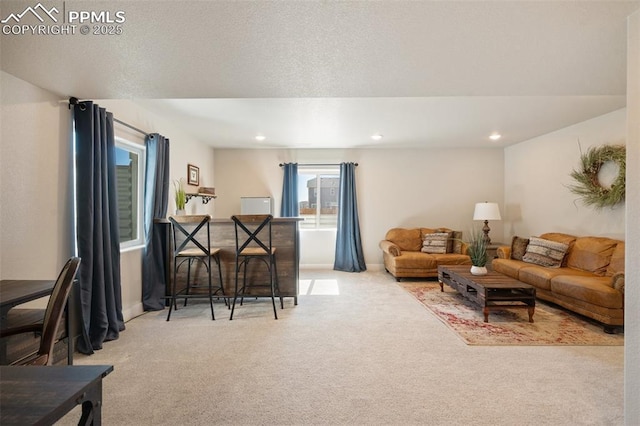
477,251
180,196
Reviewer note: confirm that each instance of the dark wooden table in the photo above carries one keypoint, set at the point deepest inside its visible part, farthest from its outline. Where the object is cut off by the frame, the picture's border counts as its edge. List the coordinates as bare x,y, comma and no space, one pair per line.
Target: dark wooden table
17,292
33,395
491,291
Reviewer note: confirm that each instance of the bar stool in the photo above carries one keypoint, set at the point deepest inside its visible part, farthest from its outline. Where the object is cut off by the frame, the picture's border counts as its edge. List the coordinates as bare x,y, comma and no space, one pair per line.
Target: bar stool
190,248
249,247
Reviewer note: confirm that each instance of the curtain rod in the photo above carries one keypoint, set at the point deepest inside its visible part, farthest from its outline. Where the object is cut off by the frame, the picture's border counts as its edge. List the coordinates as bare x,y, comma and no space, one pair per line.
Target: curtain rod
319,164
131,127
75,101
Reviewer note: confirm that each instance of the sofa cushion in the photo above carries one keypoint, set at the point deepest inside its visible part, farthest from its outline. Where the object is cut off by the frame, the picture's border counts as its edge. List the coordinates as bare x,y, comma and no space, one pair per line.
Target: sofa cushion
436,242
591,254
541,276
616,264
452,259
594,290
415,260
406,239
545,252
509,267
559,237
518,247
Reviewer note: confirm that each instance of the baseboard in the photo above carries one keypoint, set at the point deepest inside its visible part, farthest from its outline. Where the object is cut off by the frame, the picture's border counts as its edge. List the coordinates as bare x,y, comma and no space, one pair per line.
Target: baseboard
134,311
316,266
370,267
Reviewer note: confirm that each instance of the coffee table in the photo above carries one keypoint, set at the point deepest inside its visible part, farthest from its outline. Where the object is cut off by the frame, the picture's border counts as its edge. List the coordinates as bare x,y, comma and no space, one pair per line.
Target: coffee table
491,291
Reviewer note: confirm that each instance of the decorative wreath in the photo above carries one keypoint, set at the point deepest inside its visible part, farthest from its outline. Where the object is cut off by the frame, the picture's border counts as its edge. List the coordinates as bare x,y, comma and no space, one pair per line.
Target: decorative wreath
587,185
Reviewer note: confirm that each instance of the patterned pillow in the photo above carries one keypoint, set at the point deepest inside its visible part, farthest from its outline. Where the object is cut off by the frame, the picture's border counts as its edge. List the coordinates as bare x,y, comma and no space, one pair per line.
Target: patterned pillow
435,243
518,247
545,252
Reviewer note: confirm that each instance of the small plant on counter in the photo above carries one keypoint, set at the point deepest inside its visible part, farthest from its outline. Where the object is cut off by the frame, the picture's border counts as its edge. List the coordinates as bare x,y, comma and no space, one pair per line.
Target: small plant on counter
180,194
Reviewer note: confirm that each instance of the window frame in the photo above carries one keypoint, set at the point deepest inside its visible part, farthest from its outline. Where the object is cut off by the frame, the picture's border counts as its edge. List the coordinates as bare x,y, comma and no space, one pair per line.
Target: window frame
141,151
318,172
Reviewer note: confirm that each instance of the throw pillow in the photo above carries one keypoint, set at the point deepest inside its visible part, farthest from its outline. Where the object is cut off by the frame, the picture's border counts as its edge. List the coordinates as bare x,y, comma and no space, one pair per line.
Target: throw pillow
456,239
518,247
617,260
435,243
545,252
591,254
449,241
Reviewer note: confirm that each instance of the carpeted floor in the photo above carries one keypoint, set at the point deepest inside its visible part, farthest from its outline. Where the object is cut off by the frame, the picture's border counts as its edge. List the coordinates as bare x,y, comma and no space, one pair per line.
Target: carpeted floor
552,325
357,350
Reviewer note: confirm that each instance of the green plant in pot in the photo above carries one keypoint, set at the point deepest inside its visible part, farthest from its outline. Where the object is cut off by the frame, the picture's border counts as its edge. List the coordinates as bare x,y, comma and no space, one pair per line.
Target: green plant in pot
180,196
477,251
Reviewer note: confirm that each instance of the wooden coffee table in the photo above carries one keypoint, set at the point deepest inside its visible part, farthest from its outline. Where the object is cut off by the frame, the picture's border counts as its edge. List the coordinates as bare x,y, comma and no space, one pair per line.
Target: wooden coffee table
491,291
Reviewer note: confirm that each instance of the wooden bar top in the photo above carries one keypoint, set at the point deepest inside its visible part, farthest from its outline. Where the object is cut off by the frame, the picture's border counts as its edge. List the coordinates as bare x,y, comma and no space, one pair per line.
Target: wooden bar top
228,220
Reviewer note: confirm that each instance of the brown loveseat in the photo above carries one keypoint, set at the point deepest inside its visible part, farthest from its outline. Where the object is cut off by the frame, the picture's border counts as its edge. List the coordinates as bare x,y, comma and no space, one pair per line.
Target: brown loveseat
417,252
588,278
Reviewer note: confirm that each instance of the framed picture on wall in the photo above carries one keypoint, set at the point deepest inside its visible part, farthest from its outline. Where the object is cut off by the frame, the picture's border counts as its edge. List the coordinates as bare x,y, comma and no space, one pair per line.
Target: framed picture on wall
193,175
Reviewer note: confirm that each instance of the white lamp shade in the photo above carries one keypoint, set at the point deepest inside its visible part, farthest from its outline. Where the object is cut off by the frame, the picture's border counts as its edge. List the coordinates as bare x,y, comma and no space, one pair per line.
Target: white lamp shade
486,211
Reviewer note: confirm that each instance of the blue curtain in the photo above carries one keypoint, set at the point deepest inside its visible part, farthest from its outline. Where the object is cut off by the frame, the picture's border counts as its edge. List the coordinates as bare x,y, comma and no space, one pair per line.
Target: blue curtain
349,255
156,199
289,207
97,226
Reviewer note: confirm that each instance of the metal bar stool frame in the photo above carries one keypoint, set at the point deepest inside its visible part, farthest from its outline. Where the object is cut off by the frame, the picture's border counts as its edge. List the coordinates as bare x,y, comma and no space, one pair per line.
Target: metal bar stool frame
262,252
182,253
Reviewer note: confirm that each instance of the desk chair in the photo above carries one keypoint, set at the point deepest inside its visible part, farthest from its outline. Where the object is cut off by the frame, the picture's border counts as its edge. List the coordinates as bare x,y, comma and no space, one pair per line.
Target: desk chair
190,248
52,318
249,247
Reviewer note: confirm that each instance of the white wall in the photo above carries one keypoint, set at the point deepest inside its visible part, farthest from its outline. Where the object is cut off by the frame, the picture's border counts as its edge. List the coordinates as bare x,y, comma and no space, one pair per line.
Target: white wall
632,261
35,182
537,174
396,188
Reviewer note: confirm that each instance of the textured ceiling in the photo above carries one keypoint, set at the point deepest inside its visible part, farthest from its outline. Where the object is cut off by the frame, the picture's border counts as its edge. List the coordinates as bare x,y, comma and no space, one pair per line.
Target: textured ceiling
329,74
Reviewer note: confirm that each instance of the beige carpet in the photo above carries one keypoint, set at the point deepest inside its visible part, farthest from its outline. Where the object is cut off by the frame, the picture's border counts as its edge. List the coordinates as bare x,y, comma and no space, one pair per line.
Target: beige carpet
552,325
357,350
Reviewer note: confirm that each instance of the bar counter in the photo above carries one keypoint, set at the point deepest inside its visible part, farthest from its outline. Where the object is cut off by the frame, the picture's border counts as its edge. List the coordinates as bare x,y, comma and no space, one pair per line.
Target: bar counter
284,238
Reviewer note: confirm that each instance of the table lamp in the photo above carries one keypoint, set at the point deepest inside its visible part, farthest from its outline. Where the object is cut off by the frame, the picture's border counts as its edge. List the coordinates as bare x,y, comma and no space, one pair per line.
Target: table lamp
486,211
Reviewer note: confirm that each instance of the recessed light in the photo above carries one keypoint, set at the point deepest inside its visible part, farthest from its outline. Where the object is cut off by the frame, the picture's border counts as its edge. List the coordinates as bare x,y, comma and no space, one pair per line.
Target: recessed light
495,136
260,138
376,137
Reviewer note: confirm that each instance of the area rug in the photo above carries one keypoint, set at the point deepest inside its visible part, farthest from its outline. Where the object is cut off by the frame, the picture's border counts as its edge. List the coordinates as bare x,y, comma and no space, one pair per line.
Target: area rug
552,325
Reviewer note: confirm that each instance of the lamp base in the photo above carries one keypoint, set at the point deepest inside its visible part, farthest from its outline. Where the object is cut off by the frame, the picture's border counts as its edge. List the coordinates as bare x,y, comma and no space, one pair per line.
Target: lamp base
486,230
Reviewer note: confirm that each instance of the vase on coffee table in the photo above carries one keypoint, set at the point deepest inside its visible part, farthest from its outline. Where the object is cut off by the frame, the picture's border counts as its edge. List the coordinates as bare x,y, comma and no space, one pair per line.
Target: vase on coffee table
478,270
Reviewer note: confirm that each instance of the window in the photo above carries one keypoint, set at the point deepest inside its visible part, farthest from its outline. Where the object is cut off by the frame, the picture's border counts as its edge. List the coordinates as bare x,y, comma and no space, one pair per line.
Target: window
130,187
318,197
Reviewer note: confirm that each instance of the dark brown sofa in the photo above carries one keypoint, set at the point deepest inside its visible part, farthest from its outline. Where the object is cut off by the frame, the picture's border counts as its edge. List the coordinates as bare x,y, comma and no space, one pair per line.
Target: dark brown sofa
589,279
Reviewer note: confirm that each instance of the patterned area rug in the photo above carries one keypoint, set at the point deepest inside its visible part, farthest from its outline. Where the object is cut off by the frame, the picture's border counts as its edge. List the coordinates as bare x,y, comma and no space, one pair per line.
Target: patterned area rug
552,325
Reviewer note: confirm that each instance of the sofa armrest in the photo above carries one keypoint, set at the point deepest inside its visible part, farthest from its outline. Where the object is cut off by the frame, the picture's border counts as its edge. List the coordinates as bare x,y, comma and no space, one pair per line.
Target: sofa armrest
503,252
617,282
389,247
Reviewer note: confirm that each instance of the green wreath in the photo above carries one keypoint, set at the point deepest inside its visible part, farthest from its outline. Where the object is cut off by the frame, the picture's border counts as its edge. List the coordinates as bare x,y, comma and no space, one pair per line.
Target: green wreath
587,185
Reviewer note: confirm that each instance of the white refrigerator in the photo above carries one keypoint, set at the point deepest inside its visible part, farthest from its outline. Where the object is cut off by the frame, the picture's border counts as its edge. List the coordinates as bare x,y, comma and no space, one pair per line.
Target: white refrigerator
256,205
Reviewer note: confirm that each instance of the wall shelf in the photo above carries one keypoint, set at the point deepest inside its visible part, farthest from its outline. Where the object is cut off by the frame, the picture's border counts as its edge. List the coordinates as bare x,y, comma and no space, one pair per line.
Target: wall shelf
205,197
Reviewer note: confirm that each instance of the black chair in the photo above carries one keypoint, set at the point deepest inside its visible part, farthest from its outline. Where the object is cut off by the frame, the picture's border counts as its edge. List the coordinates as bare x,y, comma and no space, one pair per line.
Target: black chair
190,246
250,247
48,328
